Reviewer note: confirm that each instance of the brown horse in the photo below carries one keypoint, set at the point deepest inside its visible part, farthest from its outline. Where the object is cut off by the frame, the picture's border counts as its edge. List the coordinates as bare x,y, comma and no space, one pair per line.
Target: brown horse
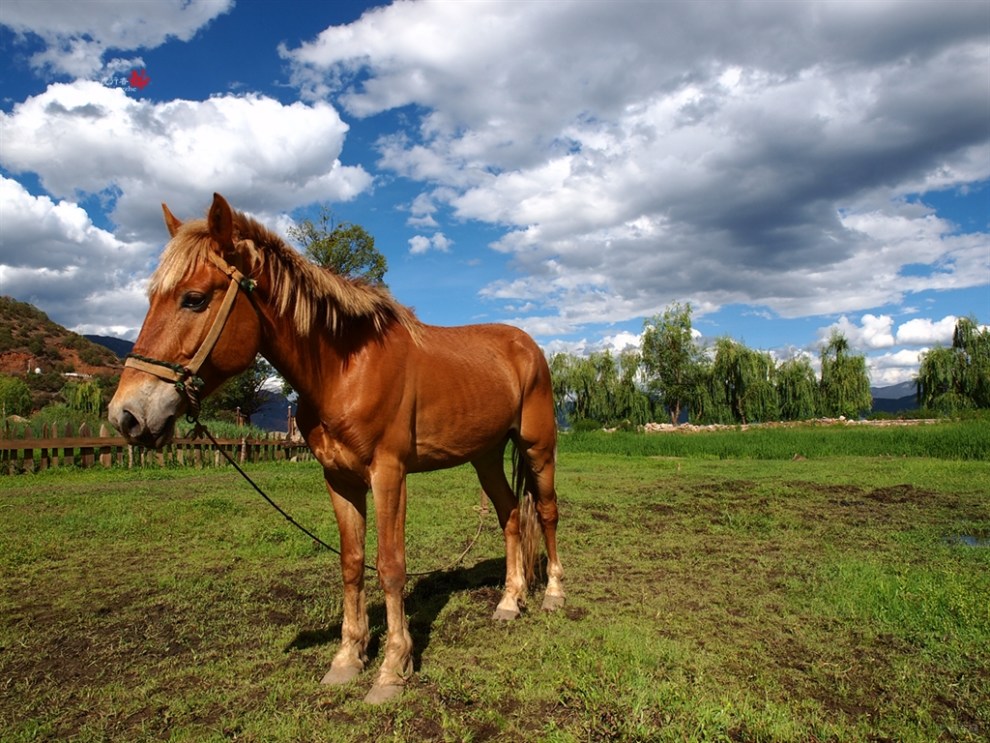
380,395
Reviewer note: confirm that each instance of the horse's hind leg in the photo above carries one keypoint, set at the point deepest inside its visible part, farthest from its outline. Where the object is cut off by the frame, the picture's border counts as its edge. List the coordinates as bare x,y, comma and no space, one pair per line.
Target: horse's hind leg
540,480
538,443
491,474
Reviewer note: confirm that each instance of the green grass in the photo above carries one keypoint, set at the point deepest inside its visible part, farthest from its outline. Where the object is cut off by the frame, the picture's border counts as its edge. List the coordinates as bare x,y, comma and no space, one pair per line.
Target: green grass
708,599
966,439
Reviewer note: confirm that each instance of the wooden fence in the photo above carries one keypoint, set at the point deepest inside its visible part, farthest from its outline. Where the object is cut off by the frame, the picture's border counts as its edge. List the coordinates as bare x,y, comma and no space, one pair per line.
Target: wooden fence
83,449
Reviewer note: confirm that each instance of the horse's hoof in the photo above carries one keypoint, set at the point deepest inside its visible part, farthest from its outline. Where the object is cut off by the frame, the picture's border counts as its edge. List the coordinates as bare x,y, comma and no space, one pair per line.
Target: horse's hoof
381,693
552,603
505,615
341,676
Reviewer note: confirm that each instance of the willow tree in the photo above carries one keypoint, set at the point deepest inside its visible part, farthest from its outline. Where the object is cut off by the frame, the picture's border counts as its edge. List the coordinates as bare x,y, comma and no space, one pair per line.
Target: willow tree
561,366
599,388
845,384
632,403
84,396
797,389
956,378
671,359
741,383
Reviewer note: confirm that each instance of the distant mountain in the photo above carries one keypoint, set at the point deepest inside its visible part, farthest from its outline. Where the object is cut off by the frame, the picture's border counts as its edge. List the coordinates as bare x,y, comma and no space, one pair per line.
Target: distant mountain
893,392
118,345
897,398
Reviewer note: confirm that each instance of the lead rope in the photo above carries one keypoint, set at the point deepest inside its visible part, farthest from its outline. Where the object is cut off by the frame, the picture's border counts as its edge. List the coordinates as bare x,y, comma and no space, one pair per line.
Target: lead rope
200,429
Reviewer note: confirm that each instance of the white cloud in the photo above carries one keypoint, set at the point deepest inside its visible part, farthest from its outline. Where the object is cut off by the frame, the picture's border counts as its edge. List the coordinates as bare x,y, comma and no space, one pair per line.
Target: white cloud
83,139
874,331
77,35
623,341
265,156
53,250
420,244
924,332
743,153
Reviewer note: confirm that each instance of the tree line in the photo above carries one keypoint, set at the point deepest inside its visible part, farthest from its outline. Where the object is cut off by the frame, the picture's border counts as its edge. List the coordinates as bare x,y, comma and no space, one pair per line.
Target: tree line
675,377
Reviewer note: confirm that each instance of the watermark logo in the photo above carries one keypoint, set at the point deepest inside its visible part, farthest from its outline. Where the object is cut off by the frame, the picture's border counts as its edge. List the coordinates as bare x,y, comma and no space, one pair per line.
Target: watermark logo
139,79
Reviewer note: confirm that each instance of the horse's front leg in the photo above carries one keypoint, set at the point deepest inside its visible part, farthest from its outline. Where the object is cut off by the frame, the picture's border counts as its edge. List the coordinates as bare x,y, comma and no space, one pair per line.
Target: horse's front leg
389,489
350,507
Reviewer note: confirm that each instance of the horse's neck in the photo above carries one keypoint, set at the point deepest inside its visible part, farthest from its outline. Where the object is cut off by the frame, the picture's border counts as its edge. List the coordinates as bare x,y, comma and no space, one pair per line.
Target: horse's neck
311,363
304,361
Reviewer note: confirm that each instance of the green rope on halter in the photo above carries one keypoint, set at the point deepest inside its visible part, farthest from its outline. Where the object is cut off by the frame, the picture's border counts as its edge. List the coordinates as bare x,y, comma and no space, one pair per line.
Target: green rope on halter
185,373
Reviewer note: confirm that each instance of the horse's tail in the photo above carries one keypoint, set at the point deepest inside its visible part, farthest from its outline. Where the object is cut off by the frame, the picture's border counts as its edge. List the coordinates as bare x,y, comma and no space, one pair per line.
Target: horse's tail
529,524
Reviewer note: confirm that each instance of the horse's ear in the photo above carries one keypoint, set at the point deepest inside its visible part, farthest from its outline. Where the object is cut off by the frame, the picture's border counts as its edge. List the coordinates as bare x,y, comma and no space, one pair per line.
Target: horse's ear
171,221
221,223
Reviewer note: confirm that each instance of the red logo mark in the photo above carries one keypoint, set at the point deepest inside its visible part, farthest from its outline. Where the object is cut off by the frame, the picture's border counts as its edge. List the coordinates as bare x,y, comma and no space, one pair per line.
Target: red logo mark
139,79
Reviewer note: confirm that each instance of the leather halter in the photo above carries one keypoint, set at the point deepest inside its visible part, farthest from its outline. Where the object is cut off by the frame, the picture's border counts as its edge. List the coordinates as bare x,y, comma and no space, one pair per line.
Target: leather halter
186,377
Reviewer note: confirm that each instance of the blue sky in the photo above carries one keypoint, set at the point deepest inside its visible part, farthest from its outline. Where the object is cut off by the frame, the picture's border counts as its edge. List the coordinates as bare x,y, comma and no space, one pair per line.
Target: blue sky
568,167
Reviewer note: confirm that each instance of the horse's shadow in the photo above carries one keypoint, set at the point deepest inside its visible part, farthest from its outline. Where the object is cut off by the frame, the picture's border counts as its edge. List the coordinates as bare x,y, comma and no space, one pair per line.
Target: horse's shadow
423,605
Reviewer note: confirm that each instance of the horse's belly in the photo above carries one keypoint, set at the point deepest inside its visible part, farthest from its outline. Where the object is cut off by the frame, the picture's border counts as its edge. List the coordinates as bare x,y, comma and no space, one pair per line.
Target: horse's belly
459,433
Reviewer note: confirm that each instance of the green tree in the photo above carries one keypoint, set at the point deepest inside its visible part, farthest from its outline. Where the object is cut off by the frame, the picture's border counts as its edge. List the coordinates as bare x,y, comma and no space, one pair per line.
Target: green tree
85,396
631,402
345,248
15,396
797,389
742,384
245,391
845,383
671,359
956,378
599,390
560,376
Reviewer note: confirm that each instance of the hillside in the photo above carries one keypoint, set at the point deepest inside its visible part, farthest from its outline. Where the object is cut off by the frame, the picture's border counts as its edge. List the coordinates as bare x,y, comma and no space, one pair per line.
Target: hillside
29,340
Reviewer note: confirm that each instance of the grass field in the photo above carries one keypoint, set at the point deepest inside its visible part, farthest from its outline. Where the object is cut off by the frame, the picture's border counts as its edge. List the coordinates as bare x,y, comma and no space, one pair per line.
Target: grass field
711,596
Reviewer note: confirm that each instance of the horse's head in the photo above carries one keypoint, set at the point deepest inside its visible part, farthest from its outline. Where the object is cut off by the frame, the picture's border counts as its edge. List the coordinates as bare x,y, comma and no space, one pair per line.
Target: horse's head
200,330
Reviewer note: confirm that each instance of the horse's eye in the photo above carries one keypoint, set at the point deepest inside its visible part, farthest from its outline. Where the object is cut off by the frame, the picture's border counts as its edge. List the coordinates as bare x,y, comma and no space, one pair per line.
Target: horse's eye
195,301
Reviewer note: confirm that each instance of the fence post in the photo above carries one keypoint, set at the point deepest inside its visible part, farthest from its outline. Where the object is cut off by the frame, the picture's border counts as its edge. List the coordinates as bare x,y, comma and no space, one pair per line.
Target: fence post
106,453
45,459
53,452
86,452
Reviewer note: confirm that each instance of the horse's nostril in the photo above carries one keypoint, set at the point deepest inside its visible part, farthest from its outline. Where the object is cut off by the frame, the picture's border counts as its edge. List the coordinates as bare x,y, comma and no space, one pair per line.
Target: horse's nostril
129,425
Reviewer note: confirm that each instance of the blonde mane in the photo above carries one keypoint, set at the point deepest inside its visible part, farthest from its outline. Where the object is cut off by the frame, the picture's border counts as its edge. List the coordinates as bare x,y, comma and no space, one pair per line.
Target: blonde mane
313,296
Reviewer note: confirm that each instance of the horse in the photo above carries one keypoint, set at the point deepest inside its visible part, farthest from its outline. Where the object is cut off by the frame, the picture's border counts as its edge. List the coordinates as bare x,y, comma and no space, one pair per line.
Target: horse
381,395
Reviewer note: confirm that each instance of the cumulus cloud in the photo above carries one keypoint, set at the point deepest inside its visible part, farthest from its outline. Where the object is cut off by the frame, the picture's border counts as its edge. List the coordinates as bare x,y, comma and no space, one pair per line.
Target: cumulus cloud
420,244
926,332
872,332
83,139
637,153
51,250
77,35
263,155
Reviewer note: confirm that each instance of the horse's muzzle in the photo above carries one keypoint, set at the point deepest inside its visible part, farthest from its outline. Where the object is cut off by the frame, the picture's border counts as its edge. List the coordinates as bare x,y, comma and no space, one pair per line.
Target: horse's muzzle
145,415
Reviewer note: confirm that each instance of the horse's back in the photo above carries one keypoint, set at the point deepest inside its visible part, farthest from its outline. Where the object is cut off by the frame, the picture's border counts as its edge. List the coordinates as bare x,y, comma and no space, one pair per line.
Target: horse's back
494,353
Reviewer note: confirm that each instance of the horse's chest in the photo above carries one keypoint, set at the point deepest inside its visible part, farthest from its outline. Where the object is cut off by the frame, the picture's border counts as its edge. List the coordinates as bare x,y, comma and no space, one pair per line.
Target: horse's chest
336,456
